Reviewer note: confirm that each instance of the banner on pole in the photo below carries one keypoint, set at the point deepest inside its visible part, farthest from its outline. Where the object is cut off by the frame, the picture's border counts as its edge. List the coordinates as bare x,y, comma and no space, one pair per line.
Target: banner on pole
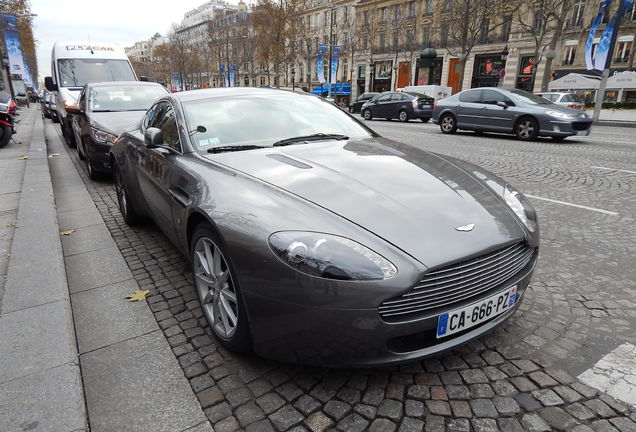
320,72
335,57
12,42
608,37
175,79
222,73
232,74
602,10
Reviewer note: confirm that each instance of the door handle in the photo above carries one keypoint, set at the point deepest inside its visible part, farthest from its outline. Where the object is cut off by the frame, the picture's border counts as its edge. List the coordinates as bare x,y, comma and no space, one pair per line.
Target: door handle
180,196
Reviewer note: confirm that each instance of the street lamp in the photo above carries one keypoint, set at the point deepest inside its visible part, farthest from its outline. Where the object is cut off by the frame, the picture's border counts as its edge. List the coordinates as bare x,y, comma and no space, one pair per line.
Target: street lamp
371,76
504,54
293,74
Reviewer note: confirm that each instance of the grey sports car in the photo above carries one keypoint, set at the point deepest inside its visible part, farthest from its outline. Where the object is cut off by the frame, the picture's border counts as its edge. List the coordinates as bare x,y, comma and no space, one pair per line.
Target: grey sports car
494,109
313,239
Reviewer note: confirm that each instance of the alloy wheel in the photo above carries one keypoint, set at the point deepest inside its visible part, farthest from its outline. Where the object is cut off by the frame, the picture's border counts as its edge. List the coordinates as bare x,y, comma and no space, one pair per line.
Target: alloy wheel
120,190
447,123
525,129
215,287
403,116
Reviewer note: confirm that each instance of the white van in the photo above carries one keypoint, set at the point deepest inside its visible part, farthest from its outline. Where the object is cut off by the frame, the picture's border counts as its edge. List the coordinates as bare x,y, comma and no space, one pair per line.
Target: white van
437,92
74,64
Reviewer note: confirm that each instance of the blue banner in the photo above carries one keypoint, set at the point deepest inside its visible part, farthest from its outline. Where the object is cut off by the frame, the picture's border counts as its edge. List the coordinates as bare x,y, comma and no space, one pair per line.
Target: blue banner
601,60
602,10
222,73
12,42
232,74
335,57
320,73
175,80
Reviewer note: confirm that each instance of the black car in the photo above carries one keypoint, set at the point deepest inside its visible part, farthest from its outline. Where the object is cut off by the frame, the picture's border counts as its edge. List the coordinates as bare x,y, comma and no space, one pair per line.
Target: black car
400,105
355,106
106,110
46,113
49,106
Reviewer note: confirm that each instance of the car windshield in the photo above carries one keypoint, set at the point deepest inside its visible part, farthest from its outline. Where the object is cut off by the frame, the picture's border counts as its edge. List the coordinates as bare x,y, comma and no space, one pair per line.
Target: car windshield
123,98
527,97
264,120
77,72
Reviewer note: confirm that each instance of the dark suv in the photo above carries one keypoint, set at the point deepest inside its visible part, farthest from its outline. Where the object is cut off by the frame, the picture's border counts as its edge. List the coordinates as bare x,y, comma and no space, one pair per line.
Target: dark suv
400,105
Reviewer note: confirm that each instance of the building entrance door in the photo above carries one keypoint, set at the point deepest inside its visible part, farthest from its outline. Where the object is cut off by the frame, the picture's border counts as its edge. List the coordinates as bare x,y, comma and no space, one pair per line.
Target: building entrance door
404,75
453,75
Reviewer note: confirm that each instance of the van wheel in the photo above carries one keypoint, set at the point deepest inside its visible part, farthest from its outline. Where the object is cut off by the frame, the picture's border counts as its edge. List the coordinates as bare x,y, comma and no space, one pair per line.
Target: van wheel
448,124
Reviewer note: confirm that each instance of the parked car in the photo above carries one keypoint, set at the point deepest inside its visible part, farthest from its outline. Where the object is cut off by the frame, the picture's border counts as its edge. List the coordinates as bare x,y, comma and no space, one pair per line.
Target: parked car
301,251
355,106
495,109
44,105
400,105
570,100
105,110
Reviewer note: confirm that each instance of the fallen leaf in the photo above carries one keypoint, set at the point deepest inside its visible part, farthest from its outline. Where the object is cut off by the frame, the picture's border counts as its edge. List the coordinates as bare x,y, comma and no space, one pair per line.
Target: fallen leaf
23,158
138,295
68,232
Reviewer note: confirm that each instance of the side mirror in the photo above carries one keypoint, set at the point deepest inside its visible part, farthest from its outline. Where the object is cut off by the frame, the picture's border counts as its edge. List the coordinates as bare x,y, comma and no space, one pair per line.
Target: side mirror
502,104
48,83
153,137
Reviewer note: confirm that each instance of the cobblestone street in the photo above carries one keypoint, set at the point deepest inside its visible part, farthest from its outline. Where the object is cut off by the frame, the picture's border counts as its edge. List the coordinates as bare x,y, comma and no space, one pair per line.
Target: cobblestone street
581,305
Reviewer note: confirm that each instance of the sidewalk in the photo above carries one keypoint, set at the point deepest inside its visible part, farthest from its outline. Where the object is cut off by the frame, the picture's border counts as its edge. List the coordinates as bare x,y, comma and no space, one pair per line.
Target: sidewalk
65,311
40,385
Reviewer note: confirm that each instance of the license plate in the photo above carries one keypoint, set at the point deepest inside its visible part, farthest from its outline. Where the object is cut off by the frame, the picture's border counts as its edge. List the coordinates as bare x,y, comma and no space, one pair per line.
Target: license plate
583,132
469,316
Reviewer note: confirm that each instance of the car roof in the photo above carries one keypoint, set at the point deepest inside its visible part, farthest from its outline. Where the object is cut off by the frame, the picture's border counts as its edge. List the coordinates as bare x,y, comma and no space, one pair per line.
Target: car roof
122,83
220,92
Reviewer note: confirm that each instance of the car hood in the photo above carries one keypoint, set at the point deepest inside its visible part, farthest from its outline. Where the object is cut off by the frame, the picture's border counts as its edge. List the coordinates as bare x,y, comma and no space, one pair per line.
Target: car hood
115,122
413,199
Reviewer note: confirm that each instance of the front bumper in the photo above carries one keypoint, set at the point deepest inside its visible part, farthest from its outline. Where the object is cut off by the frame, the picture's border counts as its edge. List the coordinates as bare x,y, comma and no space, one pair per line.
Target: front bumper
98,153
323,336
564,128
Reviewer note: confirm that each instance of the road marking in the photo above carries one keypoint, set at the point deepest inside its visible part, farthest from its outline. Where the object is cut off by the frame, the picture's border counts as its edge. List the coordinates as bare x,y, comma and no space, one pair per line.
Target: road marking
611,213
615,374
614,169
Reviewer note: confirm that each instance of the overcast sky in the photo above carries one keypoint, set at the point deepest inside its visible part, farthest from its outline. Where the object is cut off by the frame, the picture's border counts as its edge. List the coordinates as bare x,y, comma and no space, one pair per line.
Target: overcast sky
118,21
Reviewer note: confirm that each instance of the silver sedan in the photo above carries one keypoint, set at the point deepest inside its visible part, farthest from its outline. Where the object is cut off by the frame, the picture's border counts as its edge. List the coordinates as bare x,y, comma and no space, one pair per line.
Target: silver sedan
491,109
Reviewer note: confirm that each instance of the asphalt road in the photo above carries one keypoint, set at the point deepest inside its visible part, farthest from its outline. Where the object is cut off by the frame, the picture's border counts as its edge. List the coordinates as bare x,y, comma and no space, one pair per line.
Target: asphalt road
579,309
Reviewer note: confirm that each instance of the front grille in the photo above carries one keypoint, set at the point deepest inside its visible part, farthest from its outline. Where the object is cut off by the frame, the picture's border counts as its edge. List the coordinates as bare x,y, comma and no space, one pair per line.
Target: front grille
460,281
579,126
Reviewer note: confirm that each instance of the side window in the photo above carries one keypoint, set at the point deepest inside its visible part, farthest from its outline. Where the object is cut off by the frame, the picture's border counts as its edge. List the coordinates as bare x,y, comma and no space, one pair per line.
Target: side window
398,97
492,97
472,96
151,116
168,124
384,98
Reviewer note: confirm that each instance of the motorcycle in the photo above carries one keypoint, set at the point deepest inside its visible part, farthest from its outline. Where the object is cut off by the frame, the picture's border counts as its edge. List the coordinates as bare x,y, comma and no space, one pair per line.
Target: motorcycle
7,114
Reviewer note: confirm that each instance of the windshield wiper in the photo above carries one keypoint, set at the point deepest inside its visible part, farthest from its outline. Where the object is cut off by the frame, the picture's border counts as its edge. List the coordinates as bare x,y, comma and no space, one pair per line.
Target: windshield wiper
313,137
231,148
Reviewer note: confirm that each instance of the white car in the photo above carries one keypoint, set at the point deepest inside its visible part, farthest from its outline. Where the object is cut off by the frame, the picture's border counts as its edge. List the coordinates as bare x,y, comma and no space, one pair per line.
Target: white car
570,100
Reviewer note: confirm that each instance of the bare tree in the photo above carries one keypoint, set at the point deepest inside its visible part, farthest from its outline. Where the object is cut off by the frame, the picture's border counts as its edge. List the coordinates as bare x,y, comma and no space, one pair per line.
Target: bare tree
543,21
468,23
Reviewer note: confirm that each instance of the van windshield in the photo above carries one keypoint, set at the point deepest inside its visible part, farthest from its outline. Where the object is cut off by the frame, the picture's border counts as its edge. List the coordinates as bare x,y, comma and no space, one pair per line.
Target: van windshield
77,72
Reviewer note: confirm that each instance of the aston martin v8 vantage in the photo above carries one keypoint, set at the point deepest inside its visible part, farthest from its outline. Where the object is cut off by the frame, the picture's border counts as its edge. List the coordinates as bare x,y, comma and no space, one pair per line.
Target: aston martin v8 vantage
315,240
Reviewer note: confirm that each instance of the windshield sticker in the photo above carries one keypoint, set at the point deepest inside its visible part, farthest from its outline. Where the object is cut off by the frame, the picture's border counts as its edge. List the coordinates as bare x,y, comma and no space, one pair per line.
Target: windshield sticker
215,141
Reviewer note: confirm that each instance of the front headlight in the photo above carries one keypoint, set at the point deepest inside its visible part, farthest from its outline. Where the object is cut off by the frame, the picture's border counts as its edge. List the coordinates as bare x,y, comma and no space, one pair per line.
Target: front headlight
558,114
329,256
101,136
521,206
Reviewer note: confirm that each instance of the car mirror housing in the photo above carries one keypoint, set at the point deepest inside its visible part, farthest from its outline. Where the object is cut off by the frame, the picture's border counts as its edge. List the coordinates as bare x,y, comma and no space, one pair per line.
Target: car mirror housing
153,137
503,104
48,83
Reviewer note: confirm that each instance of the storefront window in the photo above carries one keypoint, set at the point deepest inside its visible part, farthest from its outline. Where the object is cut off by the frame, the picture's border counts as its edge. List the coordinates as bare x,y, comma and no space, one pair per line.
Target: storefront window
525,79
487,70
382,79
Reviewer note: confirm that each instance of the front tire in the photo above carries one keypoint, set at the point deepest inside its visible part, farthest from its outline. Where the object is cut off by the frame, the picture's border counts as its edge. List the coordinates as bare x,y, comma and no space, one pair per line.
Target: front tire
448,124
527,129
94,175
5,135
218,291
128,212
366,114
403,116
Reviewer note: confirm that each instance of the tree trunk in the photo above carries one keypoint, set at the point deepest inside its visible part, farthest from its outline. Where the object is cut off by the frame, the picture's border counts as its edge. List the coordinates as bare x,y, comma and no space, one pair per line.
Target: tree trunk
556,35
462,67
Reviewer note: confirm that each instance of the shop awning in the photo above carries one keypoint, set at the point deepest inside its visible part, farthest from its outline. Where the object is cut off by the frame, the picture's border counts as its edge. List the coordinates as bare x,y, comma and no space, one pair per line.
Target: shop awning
337,89
575,81
622,80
